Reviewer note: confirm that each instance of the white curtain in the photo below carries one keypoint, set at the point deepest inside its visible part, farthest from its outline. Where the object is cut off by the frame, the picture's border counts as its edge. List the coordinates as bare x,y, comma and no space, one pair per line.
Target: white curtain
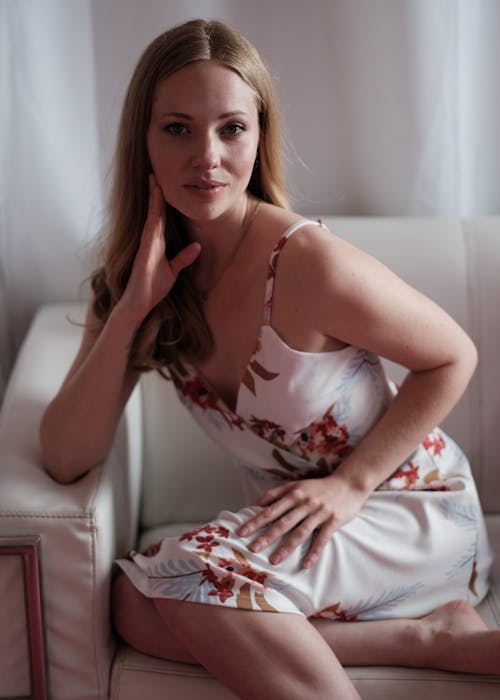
390,107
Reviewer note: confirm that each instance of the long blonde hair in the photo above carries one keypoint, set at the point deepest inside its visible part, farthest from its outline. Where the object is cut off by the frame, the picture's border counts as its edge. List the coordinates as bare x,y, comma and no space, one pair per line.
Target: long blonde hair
176,326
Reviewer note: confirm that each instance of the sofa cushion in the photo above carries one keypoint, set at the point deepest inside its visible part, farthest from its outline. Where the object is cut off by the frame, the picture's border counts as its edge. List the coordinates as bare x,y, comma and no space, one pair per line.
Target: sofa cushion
137,675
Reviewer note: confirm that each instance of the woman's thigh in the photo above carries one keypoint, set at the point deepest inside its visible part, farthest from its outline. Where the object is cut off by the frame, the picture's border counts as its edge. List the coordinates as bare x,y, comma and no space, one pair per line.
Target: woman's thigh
138,623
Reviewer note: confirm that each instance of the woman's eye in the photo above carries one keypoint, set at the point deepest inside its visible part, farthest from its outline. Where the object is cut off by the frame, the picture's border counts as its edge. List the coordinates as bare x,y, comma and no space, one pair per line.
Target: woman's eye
175,128
234,129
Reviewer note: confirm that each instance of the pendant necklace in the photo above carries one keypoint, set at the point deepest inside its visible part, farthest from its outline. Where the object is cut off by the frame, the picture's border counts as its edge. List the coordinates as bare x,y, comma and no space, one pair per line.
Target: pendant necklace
205,293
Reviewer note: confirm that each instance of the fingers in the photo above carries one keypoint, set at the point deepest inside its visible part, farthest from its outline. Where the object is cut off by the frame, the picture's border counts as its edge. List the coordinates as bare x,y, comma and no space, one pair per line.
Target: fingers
320,540
296,513
156,204
279,507
300,524
184,258
273,494
155,224
315,525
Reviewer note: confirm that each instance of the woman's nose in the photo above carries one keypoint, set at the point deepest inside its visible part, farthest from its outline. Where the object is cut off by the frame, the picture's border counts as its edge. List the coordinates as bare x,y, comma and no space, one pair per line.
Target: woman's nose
206,154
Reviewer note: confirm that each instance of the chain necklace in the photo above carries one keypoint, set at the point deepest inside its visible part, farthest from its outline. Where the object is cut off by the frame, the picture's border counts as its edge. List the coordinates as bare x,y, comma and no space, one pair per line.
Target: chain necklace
204,293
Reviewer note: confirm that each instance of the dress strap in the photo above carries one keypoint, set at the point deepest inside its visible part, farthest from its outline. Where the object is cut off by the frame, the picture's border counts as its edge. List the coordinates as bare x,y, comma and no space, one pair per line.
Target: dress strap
273,263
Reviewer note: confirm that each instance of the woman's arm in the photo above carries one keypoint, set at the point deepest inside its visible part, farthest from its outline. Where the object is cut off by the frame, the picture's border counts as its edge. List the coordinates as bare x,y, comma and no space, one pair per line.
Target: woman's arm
79,425
354,298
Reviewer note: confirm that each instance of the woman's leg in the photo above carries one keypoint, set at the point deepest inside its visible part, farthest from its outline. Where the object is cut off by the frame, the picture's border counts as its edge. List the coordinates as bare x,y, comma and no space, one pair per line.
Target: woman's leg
136,620
258,655
453,637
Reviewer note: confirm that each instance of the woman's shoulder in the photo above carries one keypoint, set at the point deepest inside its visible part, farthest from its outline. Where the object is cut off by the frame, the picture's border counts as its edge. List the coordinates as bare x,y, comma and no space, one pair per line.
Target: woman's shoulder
319,264
307,233
308,241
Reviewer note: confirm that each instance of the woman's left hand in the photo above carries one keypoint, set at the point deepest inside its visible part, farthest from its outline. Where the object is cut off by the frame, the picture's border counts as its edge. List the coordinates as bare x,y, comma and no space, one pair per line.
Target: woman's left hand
301,508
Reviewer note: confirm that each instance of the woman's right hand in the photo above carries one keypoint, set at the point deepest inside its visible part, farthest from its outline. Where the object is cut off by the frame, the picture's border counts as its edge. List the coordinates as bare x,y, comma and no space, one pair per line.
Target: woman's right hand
153,276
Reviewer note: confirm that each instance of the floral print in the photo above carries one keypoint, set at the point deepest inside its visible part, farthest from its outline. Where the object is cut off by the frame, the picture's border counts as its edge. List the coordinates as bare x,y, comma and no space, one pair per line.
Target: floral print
208,541
324,438
418,542
199,393
435,443
267,430
225,577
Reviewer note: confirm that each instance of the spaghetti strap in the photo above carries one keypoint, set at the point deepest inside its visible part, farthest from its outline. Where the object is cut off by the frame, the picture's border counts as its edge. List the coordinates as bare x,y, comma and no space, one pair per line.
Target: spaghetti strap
273,262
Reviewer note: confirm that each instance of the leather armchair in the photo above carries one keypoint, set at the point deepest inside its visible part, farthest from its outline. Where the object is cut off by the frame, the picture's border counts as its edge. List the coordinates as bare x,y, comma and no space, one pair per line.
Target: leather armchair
58,543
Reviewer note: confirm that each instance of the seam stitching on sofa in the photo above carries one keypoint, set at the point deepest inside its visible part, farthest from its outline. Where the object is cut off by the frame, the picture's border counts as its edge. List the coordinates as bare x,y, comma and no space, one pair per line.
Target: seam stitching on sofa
136,668
118,660
55,516
488,679
95,611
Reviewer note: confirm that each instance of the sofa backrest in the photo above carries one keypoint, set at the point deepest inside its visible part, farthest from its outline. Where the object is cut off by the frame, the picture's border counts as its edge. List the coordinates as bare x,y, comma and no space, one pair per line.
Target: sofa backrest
456,263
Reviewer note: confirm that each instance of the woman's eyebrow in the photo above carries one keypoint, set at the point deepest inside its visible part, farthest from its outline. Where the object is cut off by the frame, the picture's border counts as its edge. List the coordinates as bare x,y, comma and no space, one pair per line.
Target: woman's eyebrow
189,117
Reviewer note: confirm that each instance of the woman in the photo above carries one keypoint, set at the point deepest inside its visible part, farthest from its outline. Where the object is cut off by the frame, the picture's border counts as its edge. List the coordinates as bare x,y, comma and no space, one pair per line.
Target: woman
271,329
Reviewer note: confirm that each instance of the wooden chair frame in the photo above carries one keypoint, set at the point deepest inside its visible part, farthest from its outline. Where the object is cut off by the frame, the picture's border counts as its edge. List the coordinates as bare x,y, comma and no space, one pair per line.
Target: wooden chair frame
28,548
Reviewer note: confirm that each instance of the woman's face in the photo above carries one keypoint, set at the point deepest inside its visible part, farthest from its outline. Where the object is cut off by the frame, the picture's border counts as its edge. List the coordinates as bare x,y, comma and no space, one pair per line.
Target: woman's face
203,138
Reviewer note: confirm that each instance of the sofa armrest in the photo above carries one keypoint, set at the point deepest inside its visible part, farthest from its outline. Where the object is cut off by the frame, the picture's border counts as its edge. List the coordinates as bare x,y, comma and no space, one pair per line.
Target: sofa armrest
82,527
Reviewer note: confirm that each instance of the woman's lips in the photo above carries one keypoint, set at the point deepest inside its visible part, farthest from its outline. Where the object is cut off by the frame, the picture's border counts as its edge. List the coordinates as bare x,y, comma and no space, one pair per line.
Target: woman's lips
206,189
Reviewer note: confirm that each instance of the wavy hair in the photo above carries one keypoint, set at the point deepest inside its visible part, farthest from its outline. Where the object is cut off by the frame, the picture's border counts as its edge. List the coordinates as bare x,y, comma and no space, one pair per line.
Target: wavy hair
176,326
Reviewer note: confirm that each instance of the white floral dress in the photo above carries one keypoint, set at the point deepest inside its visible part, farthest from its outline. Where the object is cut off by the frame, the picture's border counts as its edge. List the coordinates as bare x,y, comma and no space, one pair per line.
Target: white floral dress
418,542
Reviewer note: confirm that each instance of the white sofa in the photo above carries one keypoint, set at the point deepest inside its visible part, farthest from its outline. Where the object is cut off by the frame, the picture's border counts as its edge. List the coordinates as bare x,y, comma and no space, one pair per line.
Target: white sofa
163,475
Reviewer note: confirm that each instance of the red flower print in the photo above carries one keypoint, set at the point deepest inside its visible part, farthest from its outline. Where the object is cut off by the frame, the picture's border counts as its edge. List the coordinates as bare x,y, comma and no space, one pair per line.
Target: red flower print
206,544
152,549
257,576
227,564
266,429
434,442
408,472
324,437
222,531
196,390
223,594
207,541
223,588
333,612
243,569
192,533
201,395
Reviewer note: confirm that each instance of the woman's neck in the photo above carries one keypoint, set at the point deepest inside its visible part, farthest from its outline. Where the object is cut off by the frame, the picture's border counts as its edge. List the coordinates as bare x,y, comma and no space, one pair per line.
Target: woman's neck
221,241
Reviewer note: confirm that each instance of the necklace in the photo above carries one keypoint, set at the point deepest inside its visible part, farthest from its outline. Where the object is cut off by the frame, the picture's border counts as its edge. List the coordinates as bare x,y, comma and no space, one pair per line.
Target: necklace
204,293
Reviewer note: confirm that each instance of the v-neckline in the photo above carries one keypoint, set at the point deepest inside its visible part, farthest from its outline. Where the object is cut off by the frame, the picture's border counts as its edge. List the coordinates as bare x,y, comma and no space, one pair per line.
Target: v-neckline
265,319
194,371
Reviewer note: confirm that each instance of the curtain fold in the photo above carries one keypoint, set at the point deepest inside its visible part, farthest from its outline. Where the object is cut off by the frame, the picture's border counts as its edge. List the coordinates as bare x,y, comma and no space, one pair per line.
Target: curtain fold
391,107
